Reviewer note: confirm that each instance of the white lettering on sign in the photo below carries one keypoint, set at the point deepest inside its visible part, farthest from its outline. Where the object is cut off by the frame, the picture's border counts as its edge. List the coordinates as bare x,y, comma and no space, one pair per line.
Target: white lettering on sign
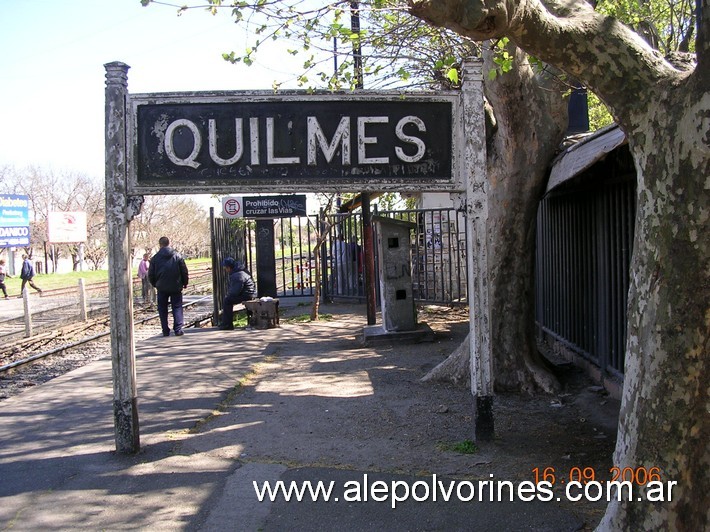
315,140
254,139
363,141
421,147
237,140
270,157
14,231
342,135
170,149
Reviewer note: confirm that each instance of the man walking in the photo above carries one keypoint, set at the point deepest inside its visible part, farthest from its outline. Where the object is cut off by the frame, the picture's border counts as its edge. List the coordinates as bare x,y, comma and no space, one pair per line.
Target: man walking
27,273
168,274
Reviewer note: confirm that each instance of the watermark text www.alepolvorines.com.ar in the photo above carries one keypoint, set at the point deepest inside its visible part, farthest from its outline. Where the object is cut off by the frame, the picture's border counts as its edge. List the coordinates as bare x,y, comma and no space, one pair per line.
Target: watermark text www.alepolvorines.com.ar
436,490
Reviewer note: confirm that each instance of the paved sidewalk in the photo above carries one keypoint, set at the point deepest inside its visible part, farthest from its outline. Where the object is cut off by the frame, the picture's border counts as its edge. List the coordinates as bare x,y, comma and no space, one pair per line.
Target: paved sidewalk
222,409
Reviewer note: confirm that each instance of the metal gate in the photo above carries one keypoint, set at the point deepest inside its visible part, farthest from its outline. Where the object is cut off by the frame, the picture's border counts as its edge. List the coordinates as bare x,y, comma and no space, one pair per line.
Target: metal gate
438,254
439,273
228,240
294,241
584,242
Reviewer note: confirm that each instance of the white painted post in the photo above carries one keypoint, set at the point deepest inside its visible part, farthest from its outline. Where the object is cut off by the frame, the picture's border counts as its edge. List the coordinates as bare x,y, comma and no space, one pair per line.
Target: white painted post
83,314
474,163
125,405
28,312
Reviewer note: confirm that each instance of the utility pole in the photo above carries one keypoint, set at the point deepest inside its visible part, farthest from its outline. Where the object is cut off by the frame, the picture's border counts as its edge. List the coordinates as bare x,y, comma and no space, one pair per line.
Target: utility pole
367,234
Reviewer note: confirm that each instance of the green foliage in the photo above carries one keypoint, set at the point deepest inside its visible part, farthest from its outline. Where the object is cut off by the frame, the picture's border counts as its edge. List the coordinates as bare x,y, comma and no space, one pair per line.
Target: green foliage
599,115
668,25
395,49
502,58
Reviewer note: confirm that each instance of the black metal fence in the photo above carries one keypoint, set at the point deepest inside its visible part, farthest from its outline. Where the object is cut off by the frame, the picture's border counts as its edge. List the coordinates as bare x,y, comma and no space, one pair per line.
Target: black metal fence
584,244
438,254
439,272
228,240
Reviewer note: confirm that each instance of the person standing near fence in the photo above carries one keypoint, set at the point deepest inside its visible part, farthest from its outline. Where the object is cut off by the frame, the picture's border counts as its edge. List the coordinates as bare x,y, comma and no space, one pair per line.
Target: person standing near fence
27,273
3,274
340,252
240,288
146,288
168,274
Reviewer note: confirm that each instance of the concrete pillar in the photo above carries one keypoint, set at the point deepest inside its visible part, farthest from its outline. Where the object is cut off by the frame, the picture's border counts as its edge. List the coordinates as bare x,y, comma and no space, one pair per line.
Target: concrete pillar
125,406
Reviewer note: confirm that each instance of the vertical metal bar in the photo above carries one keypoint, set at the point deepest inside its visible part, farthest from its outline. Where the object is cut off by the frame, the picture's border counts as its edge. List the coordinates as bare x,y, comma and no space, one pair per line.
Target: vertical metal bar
322,226
369,249
215,267
620,293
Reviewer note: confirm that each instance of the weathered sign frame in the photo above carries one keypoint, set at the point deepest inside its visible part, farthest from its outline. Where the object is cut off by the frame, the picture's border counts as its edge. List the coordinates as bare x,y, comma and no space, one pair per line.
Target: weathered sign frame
368,178
124,198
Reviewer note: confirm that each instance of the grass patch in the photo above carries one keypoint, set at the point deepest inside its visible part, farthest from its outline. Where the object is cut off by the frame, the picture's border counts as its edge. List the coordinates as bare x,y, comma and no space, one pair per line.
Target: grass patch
461,447
240,319
304,318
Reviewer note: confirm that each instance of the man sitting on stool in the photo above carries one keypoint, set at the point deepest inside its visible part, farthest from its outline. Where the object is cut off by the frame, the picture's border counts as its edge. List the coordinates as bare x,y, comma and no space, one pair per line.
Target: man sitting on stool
240,288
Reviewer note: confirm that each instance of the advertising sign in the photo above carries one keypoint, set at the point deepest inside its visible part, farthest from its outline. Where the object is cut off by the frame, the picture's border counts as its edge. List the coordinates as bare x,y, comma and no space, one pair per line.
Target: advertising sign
264,206
14,220
66,227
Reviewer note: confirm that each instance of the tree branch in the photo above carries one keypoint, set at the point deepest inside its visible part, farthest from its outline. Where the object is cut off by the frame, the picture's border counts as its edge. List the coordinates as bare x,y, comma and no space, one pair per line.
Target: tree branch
606,55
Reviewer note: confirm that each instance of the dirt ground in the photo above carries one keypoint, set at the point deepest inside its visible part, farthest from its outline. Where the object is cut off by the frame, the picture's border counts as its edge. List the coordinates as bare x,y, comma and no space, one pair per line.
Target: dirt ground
321,399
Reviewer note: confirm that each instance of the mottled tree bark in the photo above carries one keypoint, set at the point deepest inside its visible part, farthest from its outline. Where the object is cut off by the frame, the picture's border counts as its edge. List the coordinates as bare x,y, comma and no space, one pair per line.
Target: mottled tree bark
665,113
529,121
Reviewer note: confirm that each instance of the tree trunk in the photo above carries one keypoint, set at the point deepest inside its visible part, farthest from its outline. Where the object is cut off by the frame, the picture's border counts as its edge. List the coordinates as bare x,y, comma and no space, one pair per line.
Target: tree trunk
456,369
664,420
666,115
530,121
315,307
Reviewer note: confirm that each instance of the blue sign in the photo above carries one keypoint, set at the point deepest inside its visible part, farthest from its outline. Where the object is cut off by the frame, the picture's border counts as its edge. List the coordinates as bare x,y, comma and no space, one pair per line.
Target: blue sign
14,220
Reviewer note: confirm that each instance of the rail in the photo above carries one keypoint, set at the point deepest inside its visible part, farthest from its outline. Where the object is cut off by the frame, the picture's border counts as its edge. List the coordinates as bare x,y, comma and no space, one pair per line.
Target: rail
69,305
28,343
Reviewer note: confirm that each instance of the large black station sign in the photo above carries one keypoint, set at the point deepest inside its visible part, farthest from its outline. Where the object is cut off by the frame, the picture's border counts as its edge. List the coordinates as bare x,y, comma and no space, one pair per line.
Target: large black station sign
300,140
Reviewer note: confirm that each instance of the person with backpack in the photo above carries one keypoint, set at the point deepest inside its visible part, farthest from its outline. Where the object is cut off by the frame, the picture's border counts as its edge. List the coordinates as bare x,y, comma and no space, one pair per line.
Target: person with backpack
240,288
27,273
168,274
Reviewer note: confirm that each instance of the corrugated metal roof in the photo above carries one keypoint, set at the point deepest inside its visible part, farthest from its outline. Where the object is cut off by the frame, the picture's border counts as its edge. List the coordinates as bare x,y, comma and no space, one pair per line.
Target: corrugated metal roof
582,155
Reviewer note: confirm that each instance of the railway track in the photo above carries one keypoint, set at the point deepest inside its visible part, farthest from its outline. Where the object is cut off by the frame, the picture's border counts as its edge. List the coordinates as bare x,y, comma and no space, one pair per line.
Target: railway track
56,308
31,361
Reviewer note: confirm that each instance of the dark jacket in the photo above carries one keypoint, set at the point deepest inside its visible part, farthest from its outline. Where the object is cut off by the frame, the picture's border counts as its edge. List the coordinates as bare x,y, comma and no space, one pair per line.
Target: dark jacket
27,272
168,272
240,285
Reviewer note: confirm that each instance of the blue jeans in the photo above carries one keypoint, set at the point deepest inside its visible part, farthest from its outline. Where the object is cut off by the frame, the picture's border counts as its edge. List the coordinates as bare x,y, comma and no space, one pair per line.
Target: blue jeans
176,302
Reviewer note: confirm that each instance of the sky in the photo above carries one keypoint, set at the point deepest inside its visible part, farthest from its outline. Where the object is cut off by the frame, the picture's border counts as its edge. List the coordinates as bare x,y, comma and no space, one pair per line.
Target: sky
52,75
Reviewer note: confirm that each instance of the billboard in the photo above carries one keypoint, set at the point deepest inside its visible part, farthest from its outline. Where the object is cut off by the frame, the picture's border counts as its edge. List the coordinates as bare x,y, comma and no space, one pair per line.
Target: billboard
66,227
14,220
